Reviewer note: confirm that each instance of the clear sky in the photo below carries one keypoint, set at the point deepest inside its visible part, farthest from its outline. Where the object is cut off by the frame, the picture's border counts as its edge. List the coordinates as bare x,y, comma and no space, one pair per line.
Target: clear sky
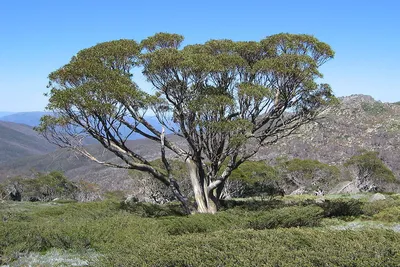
37,37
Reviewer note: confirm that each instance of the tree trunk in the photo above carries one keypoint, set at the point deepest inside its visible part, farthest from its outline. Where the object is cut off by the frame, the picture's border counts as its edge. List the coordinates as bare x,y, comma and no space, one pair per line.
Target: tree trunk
206,201
214,204
220,189
182,198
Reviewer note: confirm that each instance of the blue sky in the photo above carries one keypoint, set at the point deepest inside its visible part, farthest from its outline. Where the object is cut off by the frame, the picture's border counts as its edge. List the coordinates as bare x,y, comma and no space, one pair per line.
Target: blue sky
40,36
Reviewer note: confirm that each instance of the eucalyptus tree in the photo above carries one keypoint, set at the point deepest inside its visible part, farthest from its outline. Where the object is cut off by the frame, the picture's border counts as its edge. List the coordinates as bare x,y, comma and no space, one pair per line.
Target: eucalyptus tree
225,99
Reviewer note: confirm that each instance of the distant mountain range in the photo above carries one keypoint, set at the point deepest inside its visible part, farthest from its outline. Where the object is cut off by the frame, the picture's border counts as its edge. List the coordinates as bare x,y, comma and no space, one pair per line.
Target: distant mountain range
5,113
357,123
77,167
33,119
24,152
20,140
28,118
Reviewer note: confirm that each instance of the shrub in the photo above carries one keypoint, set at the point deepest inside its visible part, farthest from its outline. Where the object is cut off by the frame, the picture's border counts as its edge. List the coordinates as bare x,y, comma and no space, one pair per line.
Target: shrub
199,240
277,247
46,187
252,204
371,172
36,227
87,191
372,208
374,108
253,178
342,207
288,217
207,223
149,210
391,214
307,173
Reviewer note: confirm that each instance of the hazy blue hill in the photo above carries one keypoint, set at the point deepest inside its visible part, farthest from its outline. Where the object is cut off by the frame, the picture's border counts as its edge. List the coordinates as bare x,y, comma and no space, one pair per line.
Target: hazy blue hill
77,167
33,119
5,113
19,140
28,118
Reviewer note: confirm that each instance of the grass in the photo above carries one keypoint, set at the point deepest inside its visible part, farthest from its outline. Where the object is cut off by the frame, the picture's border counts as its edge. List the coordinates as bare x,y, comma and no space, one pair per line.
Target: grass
293,231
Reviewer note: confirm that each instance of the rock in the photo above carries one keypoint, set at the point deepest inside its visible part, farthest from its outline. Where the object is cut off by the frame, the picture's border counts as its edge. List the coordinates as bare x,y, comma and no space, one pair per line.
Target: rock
320,200
376,197
396,228
319,192
131,199
299,191
346,187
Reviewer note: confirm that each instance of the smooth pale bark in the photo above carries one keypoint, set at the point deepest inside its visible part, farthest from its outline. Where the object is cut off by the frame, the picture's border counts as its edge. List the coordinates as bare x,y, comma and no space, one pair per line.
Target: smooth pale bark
213,203
206,201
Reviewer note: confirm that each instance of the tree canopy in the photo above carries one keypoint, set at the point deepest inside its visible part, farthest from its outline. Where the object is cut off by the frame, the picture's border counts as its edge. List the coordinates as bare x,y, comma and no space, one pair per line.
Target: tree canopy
225,99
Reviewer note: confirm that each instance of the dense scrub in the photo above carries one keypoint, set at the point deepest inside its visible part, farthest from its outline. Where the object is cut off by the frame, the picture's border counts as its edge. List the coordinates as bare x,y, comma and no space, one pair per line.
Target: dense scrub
47,187
366,171
371,172
287,232
251,179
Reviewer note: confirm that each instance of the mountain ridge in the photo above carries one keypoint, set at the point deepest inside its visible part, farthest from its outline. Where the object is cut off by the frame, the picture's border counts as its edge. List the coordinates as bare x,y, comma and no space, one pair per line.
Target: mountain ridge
19,140
33,119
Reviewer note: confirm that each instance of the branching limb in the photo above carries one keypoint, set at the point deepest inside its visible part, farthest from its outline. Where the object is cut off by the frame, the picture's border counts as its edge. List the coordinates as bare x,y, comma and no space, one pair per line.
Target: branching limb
173,183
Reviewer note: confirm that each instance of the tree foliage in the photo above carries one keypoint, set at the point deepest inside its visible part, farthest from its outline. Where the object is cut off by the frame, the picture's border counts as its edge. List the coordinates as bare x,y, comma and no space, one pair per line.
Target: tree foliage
226,99
44,187
254,179
47,187
370,171
308,174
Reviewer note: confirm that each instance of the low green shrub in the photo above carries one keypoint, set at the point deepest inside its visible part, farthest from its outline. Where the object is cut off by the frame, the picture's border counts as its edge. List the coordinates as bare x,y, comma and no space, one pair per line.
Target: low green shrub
369,165
115,195
372,208
28,227
65,201
206,223
223,239
276,247
288,217
342,207
151,210
391,214
395,196
374,108
254,179
47,187
252,204
189,226
310,174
